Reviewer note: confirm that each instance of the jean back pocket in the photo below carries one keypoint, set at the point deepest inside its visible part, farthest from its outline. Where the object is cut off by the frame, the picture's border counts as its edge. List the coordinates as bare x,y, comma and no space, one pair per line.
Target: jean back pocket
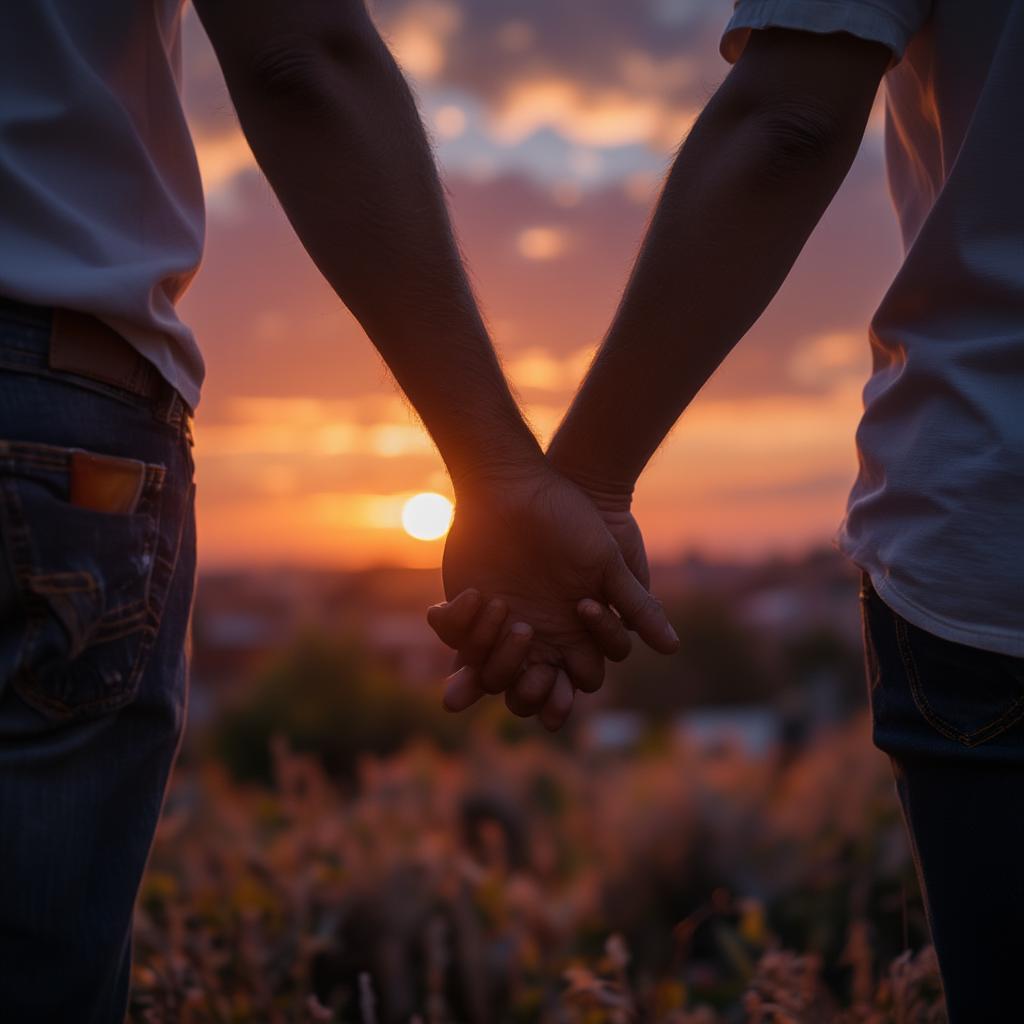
79,618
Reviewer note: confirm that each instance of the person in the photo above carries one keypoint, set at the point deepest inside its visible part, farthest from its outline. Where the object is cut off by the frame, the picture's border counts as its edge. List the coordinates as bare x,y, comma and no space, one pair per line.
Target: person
102,230
934,516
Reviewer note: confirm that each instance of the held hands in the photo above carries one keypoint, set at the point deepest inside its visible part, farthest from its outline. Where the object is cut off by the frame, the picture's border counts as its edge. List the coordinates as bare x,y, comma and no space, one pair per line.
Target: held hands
536,567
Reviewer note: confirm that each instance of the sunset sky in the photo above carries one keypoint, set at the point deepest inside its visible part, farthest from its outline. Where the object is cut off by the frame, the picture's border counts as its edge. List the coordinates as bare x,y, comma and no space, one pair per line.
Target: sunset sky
553,123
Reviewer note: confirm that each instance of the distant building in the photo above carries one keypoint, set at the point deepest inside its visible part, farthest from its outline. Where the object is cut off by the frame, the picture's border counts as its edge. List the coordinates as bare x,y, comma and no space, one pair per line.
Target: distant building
753,730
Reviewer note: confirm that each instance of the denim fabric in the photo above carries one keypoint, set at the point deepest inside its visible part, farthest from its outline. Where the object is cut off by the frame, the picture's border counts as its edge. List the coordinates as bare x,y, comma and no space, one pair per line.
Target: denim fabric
951,719
94,612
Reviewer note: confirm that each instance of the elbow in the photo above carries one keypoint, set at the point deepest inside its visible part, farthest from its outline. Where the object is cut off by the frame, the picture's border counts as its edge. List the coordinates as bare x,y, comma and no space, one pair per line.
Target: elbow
300,70
795,139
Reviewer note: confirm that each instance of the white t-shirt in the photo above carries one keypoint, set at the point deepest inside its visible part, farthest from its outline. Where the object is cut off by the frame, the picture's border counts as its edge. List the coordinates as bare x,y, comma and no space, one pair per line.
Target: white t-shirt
936,516
101,206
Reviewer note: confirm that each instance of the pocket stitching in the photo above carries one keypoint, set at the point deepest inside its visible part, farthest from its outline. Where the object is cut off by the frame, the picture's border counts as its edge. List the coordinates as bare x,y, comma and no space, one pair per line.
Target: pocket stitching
76,582
47,456
968,739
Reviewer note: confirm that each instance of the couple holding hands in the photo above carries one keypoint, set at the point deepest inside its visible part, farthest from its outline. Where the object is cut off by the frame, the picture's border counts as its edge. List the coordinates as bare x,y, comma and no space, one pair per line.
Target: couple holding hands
544,567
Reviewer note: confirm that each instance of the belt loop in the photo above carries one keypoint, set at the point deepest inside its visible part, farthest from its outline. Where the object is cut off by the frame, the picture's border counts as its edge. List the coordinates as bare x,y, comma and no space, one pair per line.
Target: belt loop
170,408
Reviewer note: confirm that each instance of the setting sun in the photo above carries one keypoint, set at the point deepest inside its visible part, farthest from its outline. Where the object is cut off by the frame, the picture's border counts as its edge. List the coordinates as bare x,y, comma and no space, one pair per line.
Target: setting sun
427,516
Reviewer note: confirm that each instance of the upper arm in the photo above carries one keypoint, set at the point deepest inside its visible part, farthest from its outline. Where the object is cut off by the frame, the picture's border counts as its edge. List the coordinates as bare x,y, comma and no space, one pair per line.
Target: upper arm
813,91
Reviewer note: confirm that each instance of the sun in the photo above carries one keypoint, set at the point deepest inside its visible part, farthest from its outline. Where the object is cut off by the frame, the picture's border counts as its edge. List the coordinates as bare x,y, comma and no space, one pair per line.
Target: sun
427,516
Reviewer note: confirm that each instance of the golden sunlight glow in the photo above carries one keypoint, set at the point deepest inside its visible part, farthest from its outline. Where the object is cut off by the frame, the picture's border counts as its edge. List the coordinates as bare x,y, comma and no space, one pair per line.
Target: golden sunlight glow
542,243
427,516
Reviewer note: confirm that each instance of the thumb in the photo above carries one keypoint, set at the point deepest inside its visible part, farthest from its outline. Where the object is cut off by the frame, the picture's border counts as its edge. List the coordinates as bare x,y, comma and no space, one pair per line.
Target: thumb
636,562
639,608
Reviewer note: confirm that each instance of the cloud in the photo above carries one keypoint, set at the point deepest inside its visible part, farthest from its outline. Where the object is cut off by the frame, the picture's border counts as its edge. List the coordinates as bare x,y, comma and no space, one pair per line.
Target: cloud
542,243
538,370
222,157
419,33
308,427
594,72
554,123
512,80
270,325
607,117
221,149
643,44
449,121
830,359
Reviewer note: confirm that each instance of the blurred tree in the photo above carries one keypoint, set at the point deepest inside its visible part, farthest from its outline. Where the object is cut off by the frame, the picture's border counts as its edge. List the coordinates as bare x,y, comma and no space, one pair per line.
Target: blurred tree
719,662
823,650
328,697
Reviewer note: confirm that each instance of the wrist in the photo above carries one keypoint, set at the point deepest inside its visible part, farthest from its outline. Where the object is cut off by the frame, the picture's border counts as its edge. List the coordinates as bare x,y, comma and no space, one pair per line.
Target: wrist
494,467
608,492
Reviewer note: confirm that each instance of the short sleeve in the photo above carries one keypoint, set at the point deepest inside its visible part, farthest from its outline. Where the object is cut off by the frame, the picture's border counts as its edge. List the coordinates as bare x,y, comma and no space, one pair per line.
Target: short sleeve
890,22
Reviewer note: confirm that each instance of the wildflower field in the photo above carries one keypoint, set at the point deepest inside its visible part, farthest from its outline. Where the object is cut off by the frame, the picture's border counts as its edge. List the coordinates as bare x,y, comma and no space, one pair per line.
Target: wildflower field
518,878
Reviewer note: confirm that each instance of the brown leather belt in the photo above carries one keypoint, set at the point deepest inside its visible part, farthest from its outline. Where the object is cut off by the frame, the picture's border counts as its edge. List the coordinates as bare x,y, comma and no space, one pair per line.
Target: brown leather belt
79,343
82,344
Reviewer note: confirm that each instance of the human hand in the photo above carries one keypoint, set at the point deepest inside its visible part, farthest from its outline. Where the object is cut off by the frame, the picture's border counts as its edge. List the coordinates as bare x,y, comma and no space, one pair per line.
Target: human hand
549,563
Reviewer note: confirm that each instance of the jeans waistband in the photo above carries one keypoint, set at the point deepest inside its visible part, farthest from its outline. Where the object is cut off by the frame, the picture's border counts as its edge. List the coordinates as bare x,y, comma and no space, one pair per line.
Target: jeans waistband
81,348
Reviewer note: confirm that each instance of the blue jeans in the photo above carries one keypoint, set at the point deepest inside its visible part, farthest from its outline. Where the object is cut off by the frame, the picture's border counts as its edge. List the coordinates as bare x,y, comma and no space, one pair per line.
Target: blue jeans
94,611
951,719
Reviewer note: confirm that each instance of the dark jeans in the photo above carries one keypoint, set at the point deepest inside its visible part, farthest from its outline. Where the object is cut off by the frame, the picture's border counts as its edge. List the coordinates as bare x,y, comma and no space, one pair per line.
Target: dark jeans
951,719
94,610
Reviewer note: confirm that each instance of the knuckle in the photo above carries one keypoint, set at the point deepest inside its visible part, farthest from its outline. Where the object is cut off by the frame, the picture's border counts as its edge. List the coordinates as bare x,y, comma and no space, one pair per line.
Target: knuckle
530,690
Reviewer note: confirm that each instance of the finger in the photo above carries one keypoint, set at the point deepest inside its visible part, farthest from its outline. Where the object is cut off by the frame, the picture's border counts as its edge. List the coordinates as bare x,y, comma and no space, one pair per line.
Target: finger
527,695
637,607
461,690
606,629
451,619
585,667
506,659
559,703
483,634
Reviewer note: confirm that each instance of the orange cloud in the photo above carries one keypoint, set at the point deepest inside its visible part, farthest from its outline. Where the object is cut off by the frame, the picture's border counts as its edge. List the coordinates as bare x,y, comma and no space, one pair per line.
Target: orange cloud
587,116
832,358
418,37
542,243
539,369
221,158
381,426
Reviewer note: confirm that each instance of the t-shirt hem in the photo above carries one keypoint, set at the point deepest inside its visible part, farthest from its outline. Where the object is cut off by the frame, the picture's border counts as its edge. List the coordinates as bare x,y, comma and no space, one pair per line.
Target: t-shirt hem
156,349
1001,641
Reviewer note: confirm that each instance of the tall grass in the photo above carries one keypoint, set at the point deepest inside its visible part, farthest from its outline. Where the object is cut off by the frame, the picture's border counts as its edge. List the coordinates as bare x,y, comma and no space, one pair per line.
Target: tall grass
535,882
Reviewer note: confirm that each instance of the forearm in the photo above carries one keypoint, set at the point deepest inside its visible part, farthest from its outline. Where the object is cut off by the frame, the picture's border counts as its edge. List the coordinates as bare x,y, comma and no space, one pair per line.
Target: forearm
746,190
336,131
